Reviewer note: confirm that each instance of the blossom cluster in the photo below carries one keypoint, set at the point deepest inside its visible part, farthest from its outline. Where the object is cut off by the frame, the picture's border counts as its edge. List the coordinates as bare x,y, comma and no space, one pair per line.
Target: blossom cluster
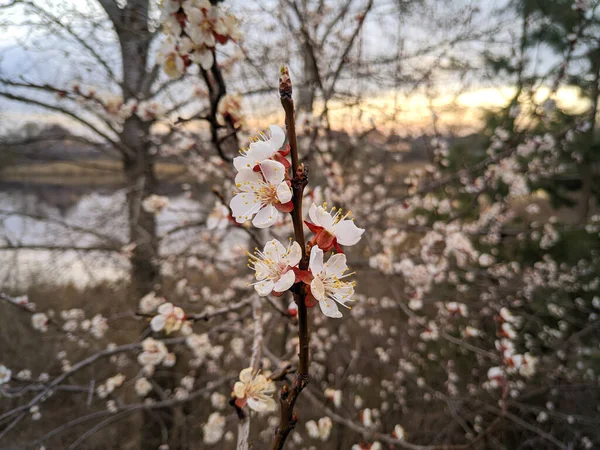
265,192
193,28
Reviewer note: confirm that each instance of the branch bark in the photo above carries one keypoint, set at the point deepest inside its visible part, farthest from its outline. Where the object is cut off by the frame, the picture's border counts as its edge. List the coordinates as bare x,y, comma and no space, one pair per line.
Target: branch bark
289,395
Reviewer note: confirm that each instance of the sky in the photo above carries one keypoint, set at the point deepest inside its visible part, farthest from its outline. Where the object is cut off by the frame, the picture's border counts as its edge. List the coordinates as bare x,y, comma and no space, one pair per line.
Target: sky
58,61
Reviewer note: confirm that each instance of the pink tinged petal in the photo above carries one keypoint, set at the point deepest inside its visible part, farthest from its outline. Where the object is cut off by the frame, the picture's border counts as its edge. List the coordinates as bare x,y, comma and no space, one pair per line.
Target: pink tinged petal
266,217
317,289
264,288
277,137
284,192
285,281
324,218
316,261
244,206
246,180
330,309
273,171
336,265
347,233
158,323
294,256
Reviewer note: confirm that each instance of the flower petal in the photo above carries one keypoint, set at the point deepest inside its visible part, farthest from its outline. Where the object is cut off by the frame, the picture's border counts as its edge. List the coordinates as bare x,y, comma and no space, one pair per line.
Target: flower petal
158,323
274,249
244,206
347,233
260,151
246,375
325,219
242,162
285,281
316,261
277,137
336,265
165,308
330,309
284,192
262,404
247,179
239,388
312,213
266,217
273,171
317,288
294,255
205,58
264,288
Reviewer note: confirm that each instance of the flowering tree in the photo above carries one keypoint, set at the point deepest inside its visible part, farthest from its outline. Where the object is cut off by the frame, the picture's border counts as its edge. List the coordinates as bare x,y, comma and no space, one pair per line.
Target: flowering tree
474,322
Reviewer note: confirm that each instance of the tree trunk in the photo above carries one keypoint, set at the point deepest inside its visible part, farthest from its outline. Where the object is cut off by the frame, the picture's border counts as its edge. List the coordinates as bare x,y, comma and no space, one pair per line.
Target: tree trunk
306,93
141,183
131,25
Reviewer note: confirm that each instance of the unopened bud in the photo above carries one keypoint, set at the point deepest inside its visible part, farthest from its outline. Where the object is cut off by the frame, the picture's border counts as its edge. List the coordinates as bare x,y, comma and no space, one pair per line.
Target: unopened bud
285,83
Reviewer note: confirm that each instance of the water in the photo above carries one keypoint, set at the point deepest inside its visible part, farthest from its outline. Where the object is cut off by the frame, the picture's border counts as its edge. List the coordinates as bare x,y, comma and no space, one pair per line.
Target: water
85,218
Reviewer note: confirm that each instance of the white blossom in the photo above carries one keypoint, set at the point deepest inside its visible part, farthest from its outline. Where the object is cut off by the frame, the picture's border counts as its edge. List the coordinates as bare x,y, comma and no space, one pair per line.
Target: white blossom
261,149
327,286
262,194
274,267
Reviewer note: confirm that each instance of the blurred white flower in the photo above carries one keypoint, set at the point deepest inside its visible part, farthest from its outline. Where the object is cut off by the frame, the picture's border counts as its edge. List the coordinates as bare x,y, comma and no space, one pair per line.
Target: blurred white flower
39,322
214,428
218,219
142,387
154,352
321,429
5,374
335,395
399,432
169,318
255,390
155,203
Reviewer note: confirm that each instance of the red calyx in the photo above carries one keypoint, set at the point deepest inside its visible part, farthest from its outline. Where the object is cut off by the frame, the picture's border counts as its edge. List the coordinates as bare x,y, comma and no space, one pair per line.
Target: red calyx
323,238
285,151
281,159
285,207
310,301
220,38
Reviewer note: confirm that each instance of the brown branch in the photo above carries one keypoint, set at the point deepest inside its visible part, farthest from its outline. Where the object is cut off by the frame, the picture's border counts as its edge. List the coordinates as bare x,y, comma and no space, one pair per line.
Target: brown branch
207,315
289,395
